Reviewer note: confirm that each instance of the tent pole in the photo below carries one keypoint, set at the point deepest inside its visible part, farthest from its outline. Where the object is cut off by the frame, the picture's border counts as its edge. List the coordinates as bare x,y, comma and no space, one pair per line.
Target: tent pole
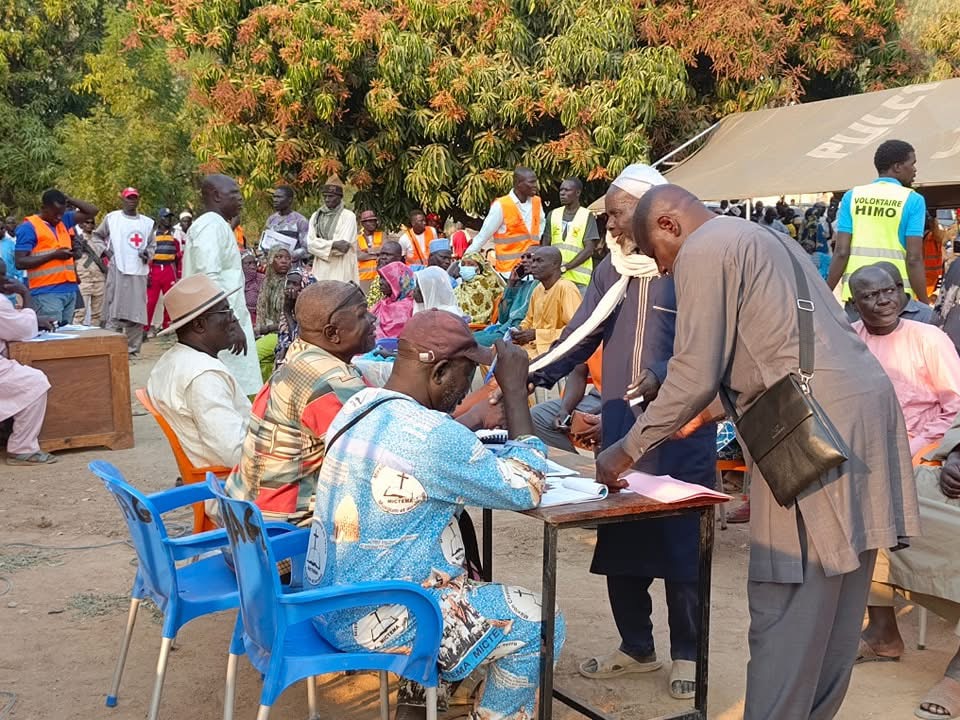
687,144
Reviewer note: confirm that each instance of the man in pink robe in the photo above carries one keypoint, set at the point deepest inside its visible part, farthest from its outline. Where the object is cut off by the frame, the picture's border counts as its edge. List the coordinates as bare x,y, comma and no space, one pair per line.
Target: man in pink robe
23,390
920,359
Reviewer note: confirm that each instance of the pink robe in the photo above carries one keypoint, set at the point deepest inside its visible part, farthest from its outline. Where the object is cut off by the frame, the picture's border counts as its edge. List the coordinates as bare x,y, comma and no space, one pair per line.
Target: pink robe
19,385
925,370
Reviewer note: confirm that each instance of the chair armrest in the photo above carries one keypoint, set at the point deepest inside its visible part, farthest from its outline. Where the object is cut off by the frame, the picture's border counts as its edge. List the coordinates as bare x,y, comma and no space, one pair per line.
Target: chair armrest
167,500
306,604
918,458
190,545
425,648
290,543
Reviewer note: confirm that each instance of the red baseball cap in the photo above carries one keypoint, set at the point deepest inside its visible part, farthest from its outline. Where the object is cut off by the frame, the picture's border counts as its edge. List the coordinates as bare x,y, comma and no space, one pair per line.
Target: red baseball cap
129,192
441,335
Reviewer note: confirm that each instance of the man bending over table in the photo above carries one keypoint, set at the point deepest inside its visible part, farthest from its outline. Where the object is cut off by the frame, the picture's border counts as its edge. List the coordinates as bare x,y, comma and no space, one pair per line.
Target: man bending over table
398,471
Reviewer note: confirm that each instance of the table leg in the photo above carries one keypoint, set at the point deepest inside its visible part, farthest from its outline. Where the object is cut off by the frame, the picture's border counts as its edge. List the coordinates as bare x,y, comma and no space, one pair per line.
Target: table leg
548,618
703,641
487,553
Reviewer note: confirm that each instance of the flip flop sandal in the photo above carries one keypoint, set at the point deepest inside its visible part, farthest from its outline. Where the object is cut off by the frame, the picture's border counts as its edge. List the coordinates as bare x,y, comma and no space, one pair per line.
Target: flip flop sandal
614,665
37,458
681,672
946,694
866,654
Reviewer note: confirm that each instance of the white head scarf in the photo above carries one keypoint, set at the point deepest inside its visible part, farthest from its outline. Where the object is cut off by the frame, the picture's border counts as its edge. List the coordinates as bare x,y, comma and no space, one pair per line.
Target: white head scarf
635,180
434,284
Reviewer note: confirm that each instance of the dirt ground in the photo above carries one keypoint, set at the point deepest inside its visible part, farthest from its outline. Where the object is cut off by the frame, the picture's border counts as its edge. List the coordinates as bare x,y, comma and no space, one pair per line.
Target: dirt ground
62,611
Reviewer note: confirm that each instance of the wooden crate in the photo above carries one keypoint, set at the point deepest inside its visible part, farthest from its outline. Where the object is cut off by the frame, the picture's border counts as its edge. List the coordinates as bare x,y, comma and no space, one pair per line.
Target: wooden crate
89,400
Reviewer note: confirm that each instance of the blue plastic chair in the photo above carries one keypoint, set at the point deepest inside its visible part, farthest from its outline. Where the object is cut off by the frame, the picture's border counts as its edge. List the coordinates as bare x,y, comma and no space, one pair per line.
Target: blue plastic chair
276,631
182,593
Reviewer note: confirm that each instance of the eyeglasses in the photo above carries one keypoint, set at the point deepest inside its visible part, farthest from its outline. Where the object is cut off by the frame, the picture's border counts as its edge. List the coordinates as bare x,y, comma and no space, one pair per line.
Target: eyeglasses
347,301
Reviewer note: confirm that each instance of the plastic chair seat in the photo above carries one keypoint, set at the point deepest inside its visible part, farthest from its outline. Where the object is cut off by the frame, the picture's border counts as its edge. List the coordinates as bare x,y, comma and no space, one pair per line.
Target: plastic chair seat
209,581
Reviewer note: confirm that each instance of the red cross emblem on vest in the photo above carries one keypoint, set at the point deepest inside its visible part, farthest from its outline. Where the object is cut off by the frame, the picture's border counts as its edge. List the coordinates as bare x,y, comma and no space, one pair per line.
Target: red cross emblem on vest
136,240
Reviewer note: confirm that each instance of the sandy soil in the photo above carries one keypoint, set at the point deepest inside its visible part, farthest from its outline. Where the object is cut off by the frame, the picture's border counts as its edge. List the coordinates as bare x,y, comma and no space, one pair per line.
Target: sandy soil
62,613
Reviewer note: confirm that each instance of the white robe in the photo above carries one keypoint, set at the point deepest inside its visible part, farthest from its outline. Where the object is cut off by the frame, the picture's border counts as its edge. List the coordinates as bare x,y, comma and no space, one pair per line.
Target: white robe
19,385
200,399
328,264
211,249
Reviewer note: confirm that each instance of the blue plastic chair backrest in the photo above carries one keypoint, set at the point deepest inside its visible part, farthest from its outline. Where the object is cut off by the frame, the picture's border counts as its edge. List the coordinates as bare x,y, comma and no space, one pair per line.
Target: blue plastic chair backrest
256,569
147,531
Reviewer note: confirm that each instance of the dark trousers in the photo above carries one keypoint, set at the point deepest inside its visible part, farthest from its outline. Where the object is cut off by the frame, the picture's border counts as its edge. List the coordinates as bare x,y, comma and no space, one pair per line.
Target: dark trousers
632,607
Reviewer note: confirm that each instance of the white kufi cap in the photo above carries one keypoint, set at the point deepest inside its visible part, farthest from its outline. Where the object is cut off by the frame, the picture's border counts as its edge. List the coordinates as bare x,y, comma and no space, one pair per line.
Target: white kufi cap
636,179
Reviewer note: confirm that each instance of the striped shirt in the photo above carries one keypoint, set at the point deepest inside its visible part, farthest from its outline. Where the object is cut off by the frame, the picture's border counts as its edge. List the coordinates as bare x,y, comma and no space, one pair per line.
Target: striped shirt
285,441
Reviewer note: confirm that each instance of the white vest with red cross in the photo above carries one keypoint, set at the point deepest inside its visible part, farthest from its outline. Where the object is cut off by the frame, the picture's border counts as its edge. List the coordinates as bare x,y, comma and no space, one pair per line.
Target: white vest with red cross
128,237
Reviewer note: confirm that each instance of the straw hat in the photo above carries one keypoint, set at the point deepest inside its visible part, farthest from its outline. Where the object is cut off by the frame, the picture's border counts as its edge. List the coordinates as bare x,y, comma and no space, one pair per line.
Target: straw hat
190,298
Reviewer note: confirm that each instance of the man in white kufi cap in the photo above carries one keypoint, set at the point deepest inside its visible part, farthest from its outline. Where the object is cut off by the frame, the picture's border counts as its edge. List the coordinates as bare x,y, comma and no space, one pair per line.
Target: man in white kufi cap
631,309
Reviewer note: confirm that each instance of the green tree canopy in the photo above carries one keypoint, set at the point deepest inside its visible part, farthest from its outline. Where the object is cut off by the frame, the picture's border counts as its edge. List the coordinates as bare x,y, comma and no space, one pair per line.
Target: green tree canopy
433,102
42,46
138,133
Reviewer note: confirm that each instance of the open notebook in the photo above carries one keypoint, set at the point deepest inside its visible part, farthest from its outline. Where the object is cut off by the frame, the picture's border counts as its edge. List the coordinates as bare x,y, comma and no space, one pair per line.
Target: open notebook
571,490
667,489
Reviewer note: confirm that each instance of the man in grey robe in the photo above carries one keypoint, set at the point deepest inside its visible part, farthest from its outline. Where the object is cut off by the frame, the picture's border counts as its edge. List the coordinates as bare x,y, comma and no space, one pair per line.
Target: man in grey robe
130,242
736,330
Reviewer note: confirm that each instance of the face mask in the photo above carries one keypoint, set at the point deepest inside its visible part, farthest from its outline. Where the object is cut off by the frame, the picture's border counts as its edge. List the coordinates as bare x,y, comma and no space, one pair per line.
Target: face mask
468,273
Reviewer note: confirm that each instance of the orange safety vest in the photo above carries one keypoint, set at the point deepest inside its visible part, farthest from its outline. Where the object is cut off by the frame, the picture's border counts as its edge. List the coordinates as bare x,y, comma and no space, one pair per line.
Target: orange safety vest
368,268
595,368
420,254
932,259
52,272
241,240
516,238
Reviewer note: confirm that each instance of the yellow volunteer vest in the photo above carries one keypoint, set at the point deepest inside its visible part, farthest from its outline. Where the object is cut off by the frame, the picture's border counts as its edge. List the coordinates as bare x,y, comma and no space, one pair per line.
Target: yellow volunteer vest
572,245
877,210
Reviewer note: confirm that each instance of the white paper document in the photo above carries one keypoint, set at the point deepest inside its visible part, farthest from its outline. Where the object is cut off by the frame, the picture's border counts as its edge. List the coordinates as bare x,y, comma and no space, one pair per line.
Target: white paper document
77,328
572,490
44,336
271,239
667,489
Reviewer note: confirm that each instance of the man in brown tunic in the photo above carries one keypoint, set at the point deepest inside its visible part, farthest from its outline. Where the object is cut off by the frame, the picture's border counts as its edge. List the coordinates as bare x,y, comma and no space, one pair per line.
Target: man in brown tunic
811,563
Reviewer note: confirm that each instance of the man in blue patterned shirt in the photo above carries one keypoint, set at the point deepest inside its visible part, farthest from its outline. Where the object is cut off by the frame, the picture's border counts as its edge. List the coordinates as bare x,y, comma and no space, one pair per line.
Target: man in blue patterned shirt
397,473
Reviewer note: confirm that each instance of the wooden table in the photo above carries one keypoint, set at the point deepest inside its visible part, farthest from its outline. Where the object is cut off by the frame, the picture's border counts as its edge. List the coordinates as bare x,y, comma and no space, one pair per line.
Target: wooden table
89,400
618,508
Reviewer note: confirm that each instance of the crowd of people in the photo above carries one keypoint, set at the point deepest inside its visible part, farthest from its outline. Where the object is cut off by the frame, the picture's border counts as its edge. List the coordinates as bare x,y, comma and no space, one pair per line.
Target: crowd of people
661,318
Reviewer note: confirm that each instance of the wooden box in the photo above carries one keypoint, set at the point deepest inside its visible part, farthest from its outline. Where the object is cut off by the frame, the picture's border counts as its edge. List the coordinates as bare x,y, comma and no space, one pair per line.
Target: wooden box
89,400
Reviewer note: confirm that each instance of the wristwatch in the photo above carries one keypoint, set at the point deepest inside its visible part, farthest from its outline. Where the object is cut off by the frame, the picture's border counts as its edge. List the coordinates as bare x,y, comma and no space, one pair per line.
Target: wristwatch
563,269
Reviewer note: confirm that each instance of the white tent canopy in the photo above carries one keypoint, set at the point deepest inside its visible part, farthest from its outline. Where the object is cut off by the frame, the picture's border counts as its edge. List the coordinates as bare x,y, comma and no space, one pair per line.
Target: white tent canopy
829,145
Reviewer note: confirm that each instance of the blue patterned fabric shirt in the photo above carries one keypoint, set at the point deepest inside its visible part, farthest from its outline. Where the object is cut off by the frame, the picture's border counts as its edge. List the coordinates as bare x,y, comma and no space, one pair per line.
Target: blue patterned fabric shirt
388,494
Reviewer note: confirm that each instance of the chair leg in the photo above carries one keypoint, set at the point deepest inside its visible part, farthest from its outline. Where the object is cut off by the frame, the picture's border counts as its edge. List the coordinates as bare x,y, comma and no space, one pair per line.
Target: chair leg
230,687
263,713
922,640
432,703
723,506
384,696
312,697
161,674
124,647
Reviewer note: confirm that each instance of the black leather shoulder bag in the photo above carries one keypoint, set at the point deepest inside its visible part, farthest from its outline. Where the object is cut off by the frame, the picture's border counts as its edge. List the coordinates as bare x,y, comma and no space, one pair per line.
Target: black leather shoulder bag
788,435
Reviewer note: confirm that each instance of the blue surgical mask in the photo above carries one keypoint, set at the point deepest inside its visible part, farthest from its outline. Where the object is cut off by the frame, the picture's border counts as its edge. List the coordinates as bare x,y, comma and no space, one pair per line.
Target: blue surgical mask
467,273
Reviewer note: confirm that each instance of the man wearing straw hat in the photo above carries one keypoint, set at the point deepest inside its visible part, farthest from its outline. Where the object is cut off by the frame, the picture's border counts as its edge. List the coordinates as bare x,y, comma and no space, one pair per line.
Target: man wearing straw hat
193,390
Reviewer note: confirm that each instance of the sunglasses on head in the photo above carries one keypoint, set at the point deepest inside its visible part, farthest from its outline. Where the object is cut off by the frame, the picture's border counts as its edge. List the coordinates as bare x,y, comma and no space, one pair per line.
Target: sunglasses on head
346,302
